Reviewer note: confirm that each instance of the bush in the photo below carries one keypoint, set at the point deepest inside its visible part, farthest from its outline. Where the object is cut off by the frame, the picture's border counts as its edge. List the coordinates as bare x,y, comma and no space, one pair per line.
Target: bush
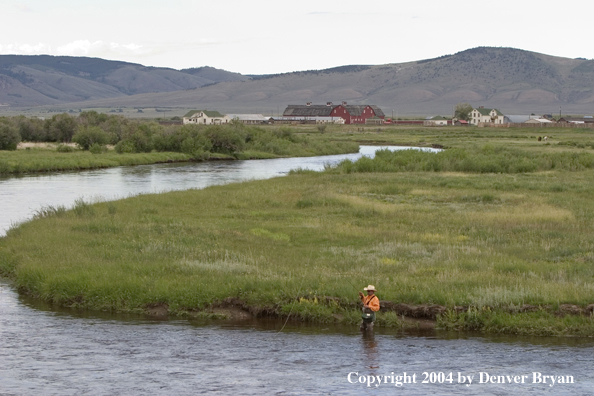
60,128
92,118
64,148
97,148
124,147
89,136
9,135
31,129
226,140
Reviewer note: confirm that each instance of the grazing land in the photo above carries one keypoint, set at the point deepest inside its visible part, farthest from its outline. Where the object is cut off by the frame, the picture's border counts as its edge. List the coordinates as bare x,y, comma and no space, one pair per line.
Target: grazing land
492,234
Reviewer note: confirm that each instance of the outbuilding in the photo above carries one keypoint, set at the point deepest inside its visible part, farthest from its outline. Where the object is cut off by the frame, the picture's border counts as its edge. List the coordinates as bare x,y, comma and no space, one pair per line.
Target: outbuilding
205,117
352,114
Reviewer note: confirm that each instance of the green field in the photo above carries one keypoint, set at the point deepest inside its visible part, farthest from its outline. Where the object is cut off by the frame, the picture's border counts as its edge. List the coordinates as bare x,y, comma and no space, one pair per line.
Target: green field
495,232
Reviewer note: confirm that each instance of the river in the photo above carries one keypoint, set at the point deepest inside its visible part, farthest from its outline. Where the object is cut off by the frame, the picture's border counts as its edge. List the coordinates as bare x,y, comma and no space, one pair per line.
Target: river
49,351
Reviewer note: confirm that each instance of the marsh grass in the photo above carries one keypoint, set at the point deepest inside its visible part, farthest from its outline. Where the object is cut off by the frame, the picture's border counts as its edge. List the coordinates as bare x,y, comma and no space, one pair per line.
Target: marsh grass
289,243
491,242
485,160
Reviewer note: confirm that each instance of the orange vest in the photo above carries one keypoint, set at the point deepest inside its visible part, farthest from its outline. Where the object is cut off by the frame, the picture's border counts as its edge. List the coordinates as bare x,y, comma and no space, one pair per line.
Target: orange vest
372,301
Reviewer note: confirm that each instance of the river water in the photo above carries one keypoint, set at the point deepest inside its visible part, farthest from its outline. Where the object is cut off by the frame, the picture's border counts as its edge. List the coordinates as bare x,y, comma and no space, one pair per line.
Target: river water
48,351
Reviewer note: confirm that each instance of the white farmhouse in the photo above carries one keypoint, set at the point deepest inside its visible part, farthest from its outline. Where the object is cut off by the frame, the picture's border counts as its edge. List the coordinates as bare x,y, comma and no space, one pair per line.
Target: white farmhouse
204,117
481,114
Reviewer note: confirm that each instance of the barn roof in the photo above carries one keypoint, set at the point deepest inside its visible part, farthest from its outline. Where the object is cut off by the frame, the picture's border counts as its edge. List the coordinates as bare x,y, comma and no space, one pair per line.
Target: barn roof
325,110
210,114
308,111
487,112
378,112
248,117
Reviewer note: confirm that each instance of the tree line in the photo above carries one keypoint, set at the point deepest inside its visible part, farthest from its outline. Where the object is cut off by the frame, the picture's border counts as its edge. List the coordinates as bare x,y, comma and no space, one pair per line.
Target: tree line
94,131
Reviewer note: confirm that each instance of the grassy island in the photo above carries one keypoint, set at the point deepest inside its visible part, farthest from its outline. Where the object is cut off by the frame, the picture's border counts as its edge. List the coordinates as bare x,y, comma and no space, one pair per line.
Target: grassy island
491,236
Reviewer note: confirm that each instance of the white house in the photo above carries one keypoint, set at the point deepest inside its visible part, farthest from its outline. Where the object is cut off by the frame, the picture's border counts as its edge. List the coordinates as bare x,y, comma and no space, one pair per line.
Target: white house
480,114
204,117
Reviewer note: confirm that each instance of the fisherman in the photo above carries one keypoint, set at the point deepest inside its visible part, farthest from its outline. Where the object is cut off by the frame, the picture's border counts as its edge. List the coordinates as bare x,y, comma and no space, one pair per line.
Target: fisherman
371,305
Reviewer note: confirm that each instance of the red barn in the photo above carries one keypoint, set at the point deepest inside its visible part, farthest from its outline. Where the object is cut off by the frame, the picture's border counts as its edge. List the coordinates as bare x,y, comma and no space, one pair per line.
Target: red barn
352,114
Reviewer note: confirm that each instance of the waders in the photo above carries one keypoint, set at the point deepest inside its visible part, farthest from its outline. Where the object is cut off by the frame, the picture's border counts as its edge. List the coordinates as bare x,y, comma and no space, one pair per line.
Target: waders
368,317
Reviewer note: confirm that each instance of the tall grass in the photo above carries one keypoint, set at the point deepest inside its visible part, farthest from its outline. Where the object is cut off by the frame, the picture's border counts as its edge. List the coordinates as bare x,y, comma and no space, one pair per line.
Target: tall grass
42,160
298,244
488,159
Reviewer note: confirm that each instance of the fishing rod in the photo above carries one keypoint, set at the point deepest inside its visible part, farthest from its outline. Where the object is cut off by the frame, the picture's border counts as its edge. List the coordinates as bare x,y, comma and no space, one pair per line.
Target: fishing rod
350,283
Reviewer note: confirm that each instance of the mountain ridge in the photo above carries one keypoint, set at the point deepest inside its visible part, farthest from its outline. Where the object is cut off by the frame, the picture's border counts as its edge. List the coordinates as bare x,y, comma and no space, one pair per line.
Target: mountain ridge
513,80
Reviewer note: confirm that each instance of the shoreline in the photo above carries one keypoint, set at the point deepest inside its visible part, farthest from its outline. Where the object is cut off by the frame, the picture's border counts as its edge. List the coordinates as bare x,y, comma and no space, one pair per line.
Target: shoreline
84,160
392,315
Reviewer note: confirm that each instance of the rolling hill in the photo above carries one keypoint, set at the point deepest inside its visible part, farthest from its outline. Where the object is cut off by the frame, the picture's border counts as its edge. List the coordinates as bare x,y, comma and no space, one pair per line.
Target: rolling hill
50,80
513,80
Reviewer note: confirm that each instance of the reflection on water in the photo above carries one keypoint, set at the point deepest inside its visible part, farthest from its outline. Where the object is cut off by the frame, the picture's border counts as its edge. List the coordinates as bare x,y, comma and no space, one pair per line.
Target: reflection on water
370,350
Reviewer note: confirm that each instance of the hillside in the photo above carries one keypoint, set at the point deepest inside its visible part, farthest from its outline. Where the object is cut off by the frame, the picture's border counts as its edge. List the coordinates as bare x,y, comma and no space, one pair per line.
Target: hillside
513,80
50,80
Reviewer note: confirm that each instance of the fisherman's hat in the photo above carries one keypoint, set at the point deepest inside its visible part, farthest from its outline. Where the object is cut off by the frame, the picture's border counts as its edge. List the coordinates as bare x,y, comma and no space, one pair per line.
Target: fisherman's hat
370,287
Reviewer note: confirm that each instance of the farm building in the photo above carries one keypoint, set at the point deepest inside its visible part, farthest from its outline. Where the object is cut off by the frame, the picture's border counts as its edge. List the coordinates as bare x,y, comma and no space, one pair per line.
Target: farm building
436,121
306,120
205,117
482,115
577,120
249,118
352,114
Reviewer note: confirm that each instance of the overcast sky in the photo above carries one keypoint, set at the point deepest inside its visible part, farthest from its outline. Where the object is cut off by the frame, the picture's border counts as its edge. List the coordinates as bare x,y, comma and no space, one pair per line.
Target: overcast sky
260,37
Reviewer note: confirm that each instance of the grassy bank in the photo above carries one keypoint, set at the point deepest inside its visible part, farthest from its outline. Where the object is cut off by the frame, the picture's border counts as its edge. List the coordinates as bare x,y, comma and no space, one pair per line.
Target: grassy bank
187,143
50,160
494,252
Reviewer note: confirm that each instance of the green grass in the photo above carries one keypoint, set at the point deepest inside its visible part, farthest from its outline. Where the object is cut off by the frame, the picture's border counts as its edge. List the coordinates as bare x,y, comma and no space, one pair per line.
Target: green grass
44,160
299,245
305,140
289,243
263,144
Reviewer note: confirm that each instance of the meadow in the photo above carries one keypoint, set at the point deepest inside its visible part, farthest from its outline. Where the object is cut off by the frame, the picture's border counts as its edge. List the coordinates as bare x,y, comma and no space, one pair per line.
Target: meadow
502,250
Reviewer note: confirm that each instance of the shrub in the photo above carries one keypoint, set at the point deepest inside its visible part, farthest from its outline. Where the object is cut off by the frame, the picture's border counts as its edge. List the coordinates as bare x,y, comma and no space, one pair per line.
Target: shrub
9,135
31,129
60,128
64,148
92,118
124,147
89,136
97,148
225,140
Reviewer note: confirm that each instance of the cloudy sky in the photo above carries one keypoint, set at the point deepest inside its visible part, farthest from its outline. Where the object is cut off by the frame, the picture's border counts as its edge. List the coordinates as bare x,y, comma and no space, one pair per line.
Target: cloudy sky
260,37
